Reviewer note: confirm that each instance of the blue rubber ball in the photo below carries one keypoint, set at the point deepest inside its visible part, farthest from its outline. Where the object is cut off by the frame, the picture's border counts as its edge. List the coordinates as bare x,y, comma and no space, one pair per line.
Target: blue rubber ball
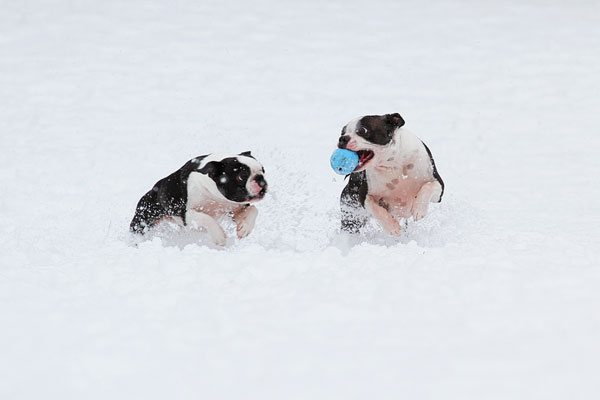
344,161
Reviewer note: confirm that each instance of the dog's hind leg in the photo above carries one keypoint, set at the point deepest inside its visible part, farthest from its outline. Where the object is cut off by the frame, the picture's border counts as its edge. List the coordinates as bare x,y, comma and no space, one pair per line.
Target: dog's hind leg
429,192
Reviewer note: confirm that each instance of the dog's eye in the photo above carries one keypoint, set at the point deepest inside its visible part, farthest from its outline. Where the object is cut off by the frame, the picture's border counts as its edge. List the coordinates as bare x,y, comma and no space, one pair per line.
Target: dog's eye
362,131
241,178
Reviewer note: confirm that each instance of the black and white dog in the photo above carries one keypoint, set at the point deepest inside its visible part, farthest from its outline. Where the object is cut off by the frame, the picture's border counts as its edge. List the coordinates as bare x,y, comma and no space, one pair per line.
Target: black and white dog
395,178
202,191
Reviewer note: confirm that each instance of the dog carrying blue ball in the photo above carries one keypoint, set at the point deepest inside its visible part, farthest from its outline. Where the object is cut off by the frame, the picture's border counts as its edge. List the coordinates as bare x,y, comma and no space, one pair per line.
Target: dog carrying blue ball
344,161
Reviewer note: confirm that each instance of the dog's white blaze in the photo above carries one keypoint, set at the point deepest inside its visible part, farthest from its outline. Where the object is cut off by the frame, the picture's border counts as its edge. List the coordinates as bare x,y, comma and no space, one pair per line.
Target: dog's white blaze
358,142
352,126
254,165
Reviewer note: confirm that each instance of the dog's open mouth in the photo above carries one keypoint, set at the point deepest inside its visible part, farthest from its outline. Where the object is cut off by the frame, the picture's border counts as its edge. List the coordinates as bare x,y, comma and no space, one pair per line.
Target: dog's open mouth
258,196
364,156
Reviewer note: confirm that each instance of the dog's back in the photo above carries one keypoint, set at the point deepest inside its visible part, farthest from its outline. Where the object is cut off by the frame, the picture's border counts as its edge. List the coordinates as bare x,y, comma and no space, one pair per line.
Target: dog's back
168,197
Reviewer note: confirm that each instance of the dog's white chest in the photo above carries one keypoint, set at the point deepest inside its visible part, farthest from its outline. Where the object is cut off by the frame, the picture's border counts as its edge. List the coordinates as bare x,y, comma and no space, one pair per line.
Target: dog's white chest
395,188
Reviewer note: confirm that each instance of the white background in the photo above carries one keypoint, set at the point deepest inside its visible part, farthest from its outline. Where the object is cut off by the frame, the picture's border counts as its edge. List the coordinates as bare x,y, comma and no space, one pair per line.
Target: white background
495,295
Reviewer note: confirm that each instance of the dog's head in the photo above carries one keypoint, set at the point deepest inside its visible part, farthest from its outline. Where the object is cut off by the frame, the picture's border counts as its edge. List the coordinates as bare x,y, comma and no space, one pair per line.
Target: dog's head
370,136
239,178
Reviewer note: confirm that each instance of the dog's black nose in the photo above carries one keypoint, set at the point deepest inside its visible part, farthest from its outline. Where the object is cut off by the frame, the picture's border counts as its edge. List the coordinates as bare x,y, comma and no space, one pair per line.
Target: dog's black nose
261,181
343,141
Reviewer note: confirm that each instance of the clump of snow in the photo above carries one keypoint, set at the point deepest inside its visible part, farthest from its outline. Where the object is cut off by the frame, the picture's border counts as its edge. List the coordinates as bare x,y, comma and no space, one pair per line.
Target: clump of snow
493,295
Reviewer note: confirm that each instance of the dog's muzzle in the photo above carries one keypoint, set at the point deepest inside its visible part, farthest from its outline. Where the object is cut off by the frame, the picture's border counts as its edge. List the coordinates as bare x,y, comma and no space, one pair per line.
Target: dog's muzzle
259,186
343,142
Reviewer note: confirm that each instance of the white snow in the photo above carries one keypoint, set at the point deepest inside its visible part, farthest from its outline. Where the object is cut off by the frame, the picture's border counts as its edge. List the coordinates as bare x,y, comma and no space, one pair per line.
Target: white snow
494,295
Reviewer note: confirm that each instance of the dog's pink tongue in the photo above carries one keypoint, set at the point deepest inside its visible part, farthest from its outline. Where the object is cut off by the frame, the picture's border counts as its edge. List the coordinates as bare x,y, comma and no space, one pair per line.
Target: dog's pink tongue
364,157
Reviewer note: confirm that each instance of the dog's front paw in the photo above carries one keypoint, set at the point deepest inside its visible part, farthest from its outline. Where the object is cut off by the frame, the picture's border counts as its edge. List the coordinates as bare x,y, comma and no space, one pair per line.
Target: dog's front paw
392,227
244,228
419,210
397,231
246,221
218,235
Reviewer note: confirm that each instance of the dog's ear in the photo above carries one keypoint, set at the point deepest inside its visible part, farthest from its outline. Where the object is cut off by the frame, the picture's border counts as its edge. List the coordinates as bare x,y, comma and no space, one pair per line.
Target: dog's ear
211,169
394,120
246,153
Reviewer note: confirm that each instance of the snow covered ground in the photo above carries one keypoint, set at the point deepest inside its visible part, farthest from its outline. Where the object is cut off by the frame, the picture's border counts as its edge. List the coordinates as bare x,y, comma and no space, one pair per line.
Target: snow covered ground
495,295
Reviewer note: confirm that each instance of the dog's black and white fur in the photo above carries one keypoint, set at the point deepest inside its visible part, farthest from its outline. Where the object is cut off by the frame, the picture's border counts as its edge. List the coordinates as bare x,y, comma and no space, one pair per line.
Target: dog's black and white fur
202,191
396,177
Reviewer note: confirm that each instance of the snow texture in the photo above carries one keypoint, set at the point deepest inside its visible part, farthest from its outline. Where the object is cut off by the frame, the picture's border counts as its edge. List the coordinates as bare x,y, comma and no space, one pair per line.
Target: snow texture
494,295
